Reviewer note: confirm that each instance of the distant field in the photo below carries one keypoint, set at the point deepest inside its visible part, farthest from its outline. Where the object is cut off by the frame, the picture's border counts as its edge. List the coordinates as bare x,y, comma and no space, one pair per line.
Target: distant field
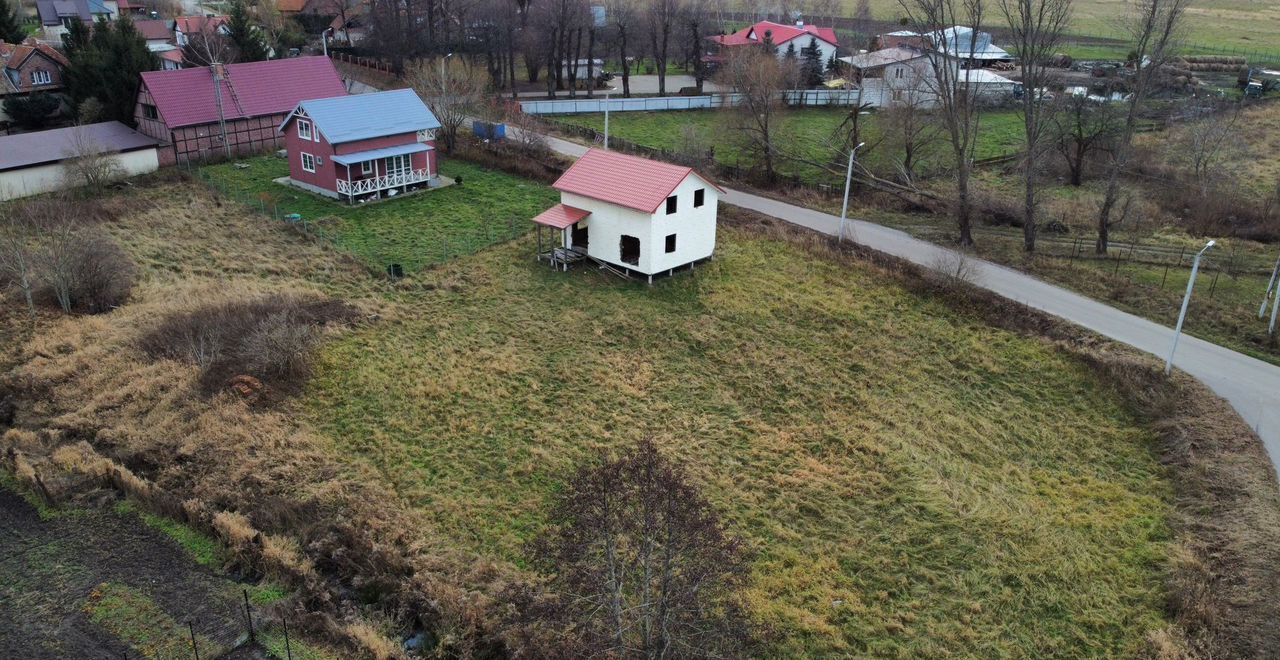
804,134
1226,24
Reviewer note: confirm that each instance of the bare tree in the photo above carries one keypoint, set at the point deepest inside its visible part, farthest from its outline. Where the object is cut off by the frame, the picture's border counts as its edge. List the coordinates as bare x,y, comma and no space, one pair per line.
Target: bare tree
641,564
1203,144
1155,27
18,259
1081,127
1035,27
660,20
623,15
760,78
454,90
89,163
956,99
208,47
907,125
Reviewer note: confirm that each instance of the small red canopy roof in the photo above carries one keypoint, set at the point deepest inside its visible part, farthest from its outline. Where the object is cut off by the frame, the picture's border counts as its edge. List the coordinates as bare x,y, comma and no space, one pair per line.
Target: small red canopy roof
561,216
630,181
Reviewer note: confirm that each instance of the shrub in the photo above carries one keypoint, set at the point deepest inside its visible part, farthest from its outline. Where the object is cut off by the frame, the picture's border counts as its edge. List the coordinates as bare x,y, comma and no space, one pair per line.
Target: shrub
102,274
270,339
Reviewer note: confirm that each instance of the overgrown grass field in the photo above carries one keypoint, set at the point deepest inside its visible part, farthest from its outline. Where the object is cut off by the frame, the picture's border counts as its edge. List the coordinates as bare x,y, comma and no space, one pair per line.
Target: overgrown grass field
911,481
803,135
419,230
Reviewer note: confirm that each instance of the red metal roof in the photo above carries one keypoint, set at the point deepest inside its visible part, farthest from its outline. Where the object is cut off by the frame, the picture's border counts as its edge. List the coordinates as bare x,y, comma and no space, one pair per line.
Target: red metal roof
194,24
185,97
630,181
154,29
561,216
781,34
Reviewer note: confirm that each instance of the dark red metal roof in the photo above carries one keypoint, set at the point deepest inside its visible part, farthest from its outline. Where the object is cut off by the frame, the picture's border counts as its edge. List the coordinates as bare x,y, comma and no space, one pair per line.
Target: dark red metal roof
630,181
561,216
185,97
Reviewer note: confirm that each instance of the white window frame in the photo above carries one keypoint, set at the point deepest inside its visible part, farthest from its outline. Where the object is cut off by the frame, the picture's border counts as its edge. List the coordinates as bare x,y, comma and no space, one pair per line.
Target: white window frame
305,157
41,77
367,167
307,134
399,164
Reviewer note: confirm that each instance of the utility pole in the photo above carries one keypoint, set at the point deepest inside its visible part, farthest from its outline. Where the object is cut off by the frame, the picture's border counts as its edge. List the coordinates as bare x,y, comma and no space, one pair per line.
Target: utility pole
1186,299
848,180
606,120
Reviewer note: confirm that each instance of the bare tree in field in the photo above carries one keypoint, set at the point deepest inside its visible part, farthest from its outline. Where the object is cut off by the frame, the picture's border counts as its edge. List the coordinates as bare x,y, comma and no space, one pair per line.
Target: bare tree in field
1155,27
909,129
454,91
1083,127
1035,27
956,99
18,260
641,564
1205,143
90,164
760,77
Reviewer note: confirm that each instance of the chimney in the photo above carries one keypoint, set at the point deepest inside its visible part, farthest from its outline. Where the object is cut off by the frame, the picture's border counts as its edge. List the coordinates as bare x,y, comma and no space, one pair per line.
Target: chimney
800,22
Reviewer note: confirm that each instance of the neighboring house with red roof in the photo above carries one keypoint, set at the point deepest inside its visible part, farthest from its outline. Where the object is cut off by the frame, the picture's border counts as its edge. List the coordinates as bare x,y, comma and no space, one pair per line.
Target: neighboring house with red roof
186,26
800,35
639,215
162,40
27,68
191,110
362,146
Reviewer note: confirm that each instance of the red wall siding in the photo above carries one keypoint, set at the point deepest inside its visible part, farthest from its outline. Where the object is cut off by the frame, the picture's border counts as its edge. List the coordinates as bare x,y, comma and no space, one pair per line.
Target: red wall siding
327,172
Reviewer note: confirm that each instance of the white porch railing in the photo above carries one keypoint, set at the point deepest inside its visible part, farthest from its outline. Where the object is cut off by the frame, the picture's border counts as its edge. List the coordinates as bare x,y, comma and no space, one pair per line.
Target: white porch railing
374,184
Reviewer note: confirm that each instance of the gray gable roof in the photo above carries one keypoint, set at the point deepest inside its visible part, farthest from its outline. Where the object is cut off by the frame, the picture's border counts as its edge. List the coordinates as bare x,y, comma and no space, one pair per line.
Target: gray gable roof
31,149
363,116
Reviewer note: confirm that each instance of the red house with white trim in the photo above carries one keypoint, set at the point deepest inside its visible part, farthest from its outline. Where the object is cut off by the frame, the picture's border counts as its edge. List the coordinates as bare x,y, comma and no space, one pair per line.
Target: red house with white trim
363,146
781,36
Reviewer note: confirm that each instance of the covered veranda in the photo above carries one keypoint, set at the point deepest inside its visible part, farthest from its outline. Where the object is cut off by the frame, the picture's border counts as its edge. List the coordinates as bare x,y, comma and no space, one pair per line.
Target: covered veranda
561,217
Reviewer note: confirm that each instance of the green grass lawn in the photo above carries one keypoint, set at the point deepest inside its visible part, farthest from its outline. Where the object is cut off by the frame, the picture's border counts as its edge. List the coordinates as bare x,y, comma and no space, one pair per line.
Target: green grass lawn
805,134
912,482
415,231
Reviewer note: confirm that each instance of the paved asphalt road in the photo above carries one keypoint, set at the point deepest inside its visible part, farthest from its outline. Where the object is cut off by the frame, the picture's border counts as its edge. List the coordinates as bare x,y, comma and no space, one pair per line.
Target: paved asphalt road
1250,385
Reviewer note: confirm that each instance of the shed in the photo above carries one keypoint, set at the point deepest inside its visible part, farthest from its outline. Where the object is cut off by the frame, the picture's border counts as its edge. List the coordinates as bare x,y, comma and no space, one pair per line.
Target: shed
35,163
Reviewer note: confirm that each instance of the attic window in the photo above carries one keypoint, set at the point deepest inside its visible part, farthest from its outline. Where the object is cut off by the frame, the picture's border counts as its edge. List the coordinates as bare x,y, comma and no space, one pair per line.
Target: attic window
41,77
699,197
671,205
304,129
149,111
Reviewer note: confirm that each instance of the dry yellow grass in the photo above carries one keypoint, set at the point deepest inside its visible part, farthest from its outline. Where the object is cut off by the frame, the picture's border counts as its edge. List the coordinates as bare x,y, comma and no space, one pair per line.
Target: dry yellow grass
909,476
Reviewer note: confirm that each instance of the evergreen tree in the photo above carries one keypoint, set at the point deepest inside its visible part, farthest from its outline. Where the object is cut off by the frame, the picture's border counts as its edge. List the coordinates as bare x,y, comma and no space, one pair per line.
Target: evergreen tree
108,67
244,34
10,28
767,43
31,112
791,52
811,68
76,37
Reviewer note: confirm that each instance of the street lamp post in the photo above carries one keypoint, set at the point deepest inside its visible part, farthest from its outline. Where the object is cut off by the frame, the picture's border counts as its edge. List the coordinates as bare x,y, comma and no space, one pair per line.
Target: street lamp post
1186,300
606,120
848,179
324,40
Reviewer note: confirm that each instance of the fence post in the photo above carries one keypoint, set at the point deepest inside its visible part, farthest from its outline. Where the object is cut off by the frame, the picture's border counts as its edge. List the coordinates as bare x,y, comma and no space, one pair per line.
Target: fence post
248,616
288,651
194,649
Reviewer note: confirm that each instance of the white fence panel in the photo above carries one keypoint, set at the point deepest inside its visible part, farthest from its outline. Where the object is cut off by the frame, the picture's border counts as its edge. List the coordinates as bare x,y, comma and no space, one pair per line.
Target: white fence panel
805,97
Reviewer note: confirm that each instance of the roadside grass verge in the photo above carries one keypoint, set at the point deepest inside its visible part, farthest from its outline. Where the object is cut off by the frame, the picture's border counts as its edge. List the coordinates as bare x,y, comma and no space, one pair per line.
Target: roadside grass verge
802,134
416,231
912,481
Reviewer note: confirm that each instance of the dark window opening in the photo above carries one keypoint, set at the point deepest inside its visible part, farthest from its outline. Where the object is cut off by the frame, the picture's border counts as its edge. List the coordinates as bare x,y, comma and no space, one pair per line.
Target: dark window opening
629,247
699,197
671,242
149,111
671,205
580,237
